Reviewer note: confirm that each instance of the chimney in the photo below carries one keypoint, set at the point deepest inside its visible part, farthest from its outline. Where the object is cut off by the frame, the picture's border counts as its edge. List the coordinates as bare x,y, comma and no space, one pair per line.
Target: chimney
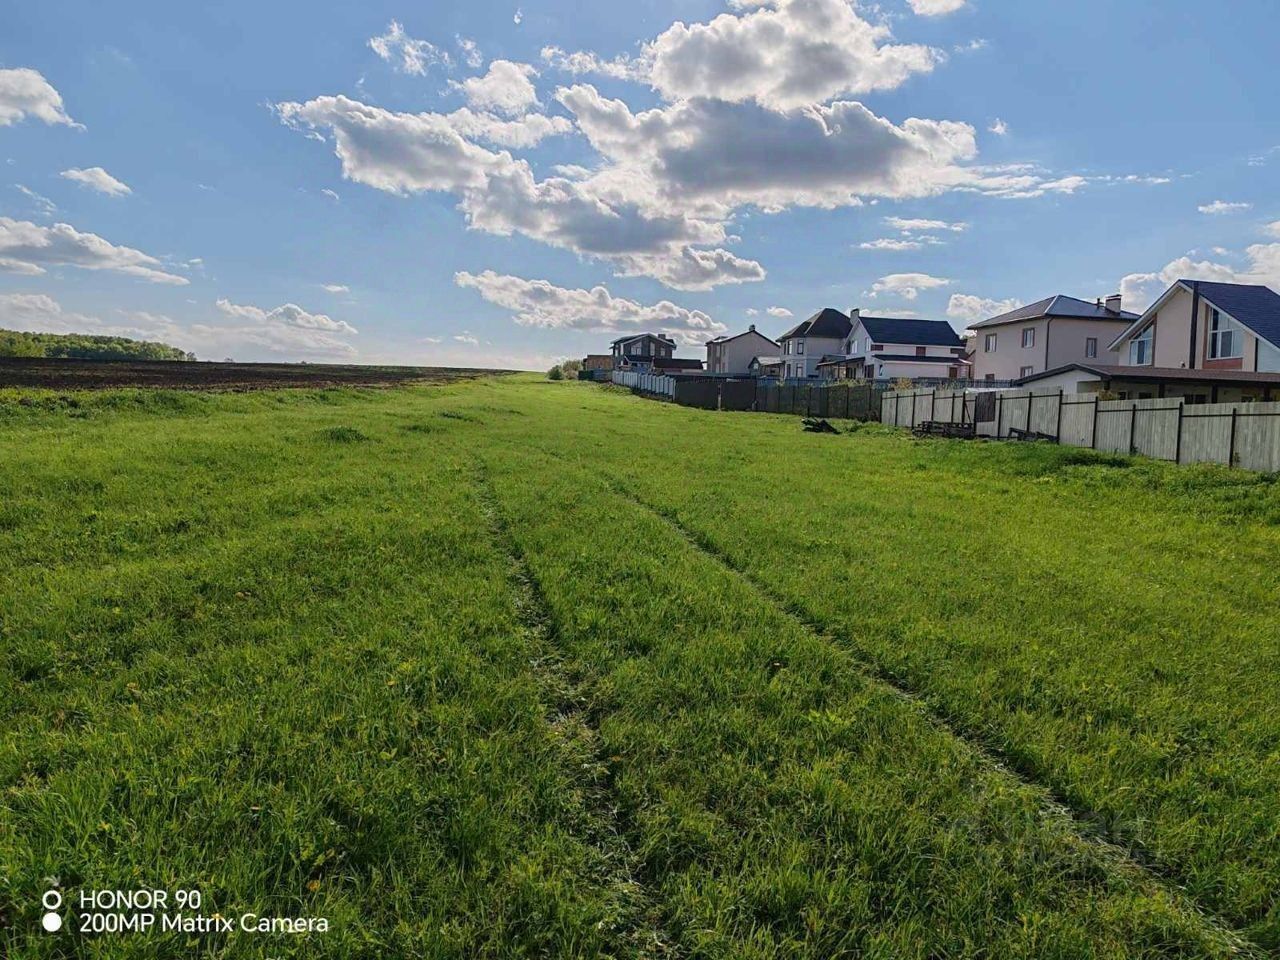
855,313
1113,303
751,329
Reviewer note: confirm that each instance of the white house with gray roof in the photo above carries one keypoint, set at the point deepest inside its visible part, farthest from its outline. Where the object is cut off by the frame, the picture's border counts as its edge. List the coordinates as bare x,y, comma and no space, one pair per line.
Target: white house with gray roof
732,356
890,348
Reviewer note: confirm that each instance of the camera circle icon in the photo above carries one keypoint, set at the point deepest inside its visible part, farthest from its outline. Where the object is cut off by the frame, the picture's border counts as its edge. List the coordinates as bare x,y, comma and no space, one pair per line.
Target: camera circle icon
52,900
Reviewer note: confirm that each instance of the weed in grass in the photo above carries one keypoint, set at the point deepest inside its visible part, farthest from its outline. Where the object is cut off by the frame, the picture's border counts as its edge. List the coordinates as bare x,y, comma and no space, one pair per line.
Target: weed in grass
343,435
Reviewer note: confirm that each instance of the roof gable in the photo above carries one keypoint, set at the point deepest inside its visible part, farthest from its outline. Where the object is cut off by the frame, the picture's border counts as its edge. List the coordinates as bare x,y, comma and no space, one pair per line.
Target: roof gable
828,323
1255,306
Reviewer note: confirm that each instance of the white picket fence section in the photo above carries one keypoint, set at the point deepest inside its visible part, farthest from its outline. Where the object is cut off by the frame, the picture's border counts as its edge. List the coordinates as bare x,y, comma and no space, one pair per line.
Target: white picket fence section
1239,434
646,383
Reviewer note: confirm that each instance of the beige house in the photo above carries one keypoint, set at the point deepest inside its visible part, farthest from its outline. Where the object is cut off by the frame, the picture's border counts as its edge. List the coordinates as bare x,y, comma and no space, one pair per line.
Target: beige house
1046,335
1198,325
732,356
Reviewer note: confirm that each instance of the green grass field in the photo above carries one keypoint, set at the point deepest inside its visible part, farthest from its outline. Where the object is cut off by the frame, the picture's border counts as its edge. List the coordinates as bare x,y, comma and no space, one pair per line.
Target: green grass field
511,668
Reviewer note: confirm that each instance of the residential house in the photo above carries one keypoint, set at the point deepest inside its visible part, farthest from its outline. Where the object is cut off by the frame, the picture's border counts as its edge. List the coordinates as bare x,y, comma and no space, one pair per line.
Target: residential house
732,356
1206,342
765,367
1200,325
1045,335
638,352
884,348
597,361
806,344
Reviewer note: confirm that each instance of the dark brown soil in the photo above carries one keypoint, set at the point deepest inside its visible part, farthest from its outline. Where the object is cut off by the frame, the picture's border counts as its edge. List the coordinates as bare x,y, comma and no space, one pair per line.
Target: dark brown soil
57,374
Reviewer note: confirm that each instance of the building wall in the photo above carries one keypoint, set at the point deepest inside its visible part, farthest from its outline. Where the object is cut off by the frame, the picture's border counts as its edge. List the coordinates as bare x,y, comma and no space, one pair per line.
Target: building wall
814,349
1058,341
734,356
1067,341
894,369
1009,357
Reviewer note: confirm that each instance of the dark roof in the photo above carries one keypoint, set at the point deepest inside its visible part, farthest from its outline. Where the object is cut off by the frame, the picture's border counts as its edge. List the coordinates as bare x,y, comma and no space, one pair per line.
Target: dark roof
745,333
766,361
930,333
828,322
1059,306
914,359
1257,307
677,363
1106,371
637,336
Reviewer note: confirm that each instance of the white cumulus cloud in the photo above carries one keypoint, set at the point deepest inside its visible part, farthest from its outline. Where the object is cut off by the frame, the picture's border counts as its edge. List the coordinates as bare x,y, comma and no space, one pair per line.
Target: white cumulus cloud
506,88
28,248
935,8
781,312
541,304
906,285
95,178
26,93
971,309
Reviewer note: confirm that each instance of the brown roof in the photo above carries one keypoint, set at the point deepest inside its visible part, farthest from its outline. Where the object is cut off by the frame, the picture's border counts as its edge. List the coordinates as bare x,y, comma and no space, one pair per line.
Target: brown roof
1155,374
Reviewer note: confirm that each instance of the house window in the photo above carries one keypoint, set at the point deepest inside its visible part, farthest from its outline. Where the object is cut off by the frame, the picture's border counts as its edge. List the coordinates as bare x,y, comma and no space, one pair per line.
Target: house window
1195,398
989,343
1026,371
799,346
1090,347
922,351
1028,337
1140,348
787,348
1224,340
868,344
990,378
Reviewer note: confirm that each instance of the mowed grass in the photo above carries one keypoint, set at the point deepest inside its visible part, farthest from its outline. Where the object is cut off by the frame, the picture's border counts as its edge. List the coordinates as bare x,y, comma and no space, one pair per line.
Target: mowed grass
513,668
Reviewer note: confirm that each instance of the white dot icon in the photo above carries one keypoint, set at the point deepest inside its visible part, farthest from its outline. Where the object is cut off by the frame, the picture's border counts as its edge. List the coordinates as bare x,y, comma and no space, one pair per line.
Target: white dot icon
51,901
51,922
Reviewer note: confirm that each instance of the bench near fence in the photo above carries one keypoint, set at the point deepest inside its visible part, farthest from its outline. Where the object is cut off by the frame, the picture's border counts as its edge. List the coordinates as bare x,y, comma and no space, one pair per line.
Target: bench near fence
1237,434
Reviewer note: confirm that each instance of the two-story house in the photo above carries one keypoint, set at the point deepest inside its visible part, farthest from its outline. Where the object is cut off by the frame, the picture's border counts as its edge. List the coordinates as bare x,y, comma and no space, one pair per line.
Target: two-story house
638,352
1046,335
1201,325
805,345
732,356
887,348
1204,342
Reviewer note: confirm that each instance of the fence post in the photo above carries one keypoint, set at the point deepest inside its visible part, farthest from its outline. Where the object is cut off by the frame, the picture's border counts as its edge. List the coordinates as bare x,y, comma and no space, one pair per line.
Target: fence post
1031,395
1133,425
1058,430
1231,447
999,413
933,404
1177,447
913,410
1093,437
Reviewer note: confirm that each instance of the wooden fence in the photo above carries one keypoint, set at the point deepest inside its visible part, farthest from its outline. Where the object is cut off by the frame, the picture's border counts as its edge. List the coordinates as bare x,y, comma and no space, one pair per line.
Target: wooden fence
1239,434
856,402
650,383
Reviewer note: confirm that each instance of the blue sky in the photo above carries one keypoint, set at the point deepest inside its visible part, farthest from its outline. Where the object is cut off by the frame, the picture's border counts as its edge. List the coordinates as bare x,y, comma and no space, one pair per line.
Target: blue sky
494,183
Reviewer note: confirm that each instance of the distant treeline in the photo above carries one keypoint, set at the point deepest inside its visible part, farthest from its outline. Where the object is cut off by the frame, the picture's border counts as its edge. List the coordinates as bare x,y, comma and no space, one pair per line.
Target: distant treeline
82,346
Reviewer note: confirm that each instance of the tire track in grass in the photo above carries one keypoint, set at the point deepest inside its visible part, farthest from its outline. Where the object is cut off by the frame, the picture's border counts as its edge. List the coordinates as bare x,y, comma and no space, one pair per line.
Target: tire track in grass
1054,807
637,929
